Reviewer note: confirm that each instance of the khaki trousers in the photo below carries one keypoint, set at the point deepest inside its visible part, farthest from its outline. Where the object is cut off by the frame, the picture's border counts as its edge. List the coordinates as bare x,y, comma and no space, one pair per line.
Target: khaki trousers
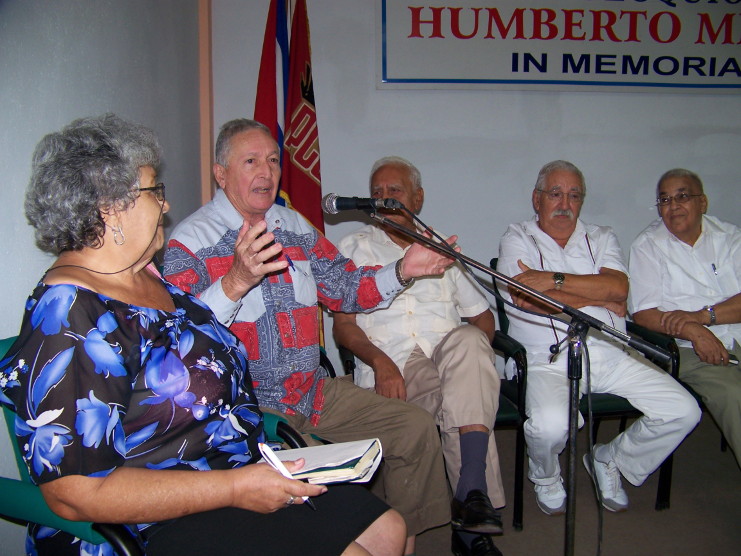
411,478
459,385
720,390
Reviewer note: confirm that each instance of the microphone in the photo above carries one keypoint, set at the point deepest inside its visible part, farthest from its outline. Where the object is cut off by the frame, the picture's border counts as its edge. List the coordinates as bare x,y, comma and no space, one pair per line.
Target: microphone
332,203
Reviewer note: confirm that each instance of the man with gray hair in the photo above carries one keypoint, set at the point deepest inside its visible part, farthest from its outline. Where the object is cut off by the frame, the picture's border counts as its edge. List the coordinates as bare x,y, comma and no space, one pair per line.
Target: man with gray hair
432,347
685,281
581,265
262,268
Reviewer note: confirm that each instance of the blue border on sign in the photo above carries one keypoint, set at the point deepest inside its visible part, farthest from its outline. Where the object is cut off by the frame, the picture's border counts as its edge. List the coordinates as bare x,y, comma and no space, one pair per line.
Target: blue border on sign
386,79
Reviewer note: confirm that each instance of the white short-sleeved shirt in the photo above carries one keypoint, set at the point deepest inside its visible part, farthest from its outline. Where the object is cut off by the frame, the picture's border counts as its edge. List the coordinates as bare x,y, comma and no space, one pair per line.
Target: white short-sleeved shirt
589,248
669,275
422,314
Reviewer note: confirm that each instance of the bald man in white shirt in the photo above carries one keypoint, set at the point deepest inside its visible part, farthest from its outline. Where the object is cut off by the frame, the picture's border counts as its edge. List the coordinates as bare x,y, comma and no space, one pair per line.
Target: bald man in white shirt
685,280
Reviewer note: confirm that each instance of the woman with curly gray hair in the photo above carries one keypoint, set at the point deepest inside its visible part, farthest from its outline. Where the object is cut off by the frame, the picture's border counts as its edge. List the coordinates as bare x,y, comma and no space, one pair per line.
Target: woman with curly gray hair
88,168
134,404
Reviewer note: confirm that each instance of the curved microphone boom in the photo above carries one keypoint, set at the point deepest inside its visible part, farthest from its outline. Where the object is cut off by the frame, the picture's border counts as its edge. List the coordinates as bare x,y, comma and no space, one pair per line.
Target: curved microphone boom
333,203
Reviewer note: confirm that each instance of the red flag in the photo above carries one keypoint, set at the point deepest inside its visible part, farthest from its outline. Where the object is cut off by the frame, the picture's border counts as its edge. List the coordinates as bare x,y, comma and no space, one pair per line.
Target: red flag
285,103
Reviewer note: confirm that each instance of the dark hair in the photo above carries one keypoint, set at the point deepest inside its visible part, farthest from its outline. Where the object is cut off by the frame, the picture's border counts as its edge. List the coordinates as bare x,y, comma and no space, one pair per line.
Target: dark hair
90,166
229,130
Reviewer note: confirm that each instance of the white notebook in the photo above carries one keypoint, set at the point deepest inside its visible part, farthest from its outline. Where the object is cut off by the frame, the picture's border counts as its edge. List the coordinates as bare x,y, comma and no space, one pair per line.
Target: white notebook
353,462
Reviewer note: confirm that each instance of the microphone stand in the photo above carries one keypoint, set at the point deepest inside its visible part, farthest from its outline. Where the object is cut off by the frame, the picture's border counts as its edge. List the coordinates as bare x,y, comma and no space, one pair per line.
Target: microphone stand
578,328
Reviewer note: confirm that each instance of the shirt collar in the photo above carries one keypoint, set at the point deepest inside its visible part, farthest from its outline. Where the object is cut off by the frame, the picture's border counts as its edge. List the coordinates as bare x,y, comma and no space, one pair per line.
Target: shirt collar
231,216
381,236
705,230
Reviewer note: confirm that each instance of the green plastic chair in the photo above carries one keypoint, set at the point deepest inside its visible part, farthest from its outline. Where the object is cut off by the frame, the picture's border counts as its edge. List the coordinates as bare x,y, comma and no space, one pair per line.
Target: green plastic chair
21,501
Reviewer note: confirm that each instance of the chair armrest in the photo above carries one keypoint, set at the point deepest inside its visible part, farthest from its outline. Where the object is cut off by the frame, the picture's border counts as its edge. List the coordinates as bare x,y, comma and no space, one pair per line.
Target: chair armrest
659,339
277,429
123,541
512,349
347,358
514,389
24,502
507,345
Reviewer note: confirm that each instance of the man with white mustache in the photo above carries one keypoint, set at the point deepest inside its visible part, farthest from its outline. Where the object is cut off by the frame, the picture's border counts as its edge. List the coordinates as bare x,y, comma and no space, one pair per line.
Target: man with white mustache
582,265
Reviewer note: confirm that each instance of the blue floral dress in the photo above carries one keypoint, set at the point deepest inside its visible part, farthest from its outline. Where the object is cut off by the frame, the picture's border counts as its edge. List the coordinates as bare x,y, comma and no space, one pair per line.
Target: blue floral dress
99,384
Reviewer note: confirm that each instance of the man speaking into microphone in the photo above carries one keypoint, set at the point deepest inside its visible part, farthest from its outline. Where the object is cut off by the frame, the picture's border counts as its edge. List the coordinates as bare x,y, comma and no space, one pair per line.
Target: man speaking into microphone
262,268
431,347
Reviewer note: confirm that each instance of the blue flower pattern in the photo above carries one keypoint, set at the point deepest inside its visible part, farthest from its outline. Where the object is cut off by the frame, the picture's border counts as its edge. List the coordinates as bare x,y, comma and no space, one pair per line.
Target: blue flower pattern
99,384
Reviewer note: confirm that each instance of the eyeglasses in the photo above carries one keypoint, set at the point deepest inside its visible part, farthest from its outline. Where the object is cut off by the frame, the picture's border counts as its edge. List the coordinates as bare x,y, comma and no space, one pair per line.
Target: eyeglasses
556,195
680,198
158,190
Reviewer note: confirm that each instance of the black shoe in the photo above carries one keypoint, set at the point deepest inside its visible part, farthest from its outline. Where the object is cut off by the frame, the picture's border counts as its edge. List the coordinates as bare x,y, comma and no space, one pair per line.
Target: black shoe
476,514
481,546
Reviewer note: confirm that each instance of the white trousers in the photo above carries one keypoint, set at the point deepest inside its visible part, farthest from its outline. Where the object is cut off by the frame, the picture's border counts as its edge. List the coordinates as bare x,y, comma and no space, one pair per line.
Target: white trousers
669,411
459,386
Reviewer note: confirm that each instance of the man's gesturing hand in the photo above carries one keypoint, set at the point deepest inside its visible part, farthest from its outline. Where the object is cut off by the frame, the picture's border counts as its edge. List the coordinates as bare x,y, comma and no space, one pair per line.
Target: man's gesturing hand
426,261
255,252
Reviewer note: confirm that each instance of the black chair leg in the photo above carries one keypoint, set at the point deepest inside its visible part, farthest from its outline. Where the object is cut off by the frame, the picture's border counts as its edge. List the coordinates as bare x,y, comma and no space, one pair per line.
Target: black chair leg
663,492
623,423
519,479
595,429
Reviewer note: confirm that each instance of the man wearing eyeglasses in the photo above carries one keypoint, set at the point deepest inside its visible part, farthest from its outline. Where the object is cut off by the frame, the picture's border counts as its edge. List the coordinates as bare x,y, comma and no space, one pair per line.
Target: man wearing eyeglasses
582,265
685,279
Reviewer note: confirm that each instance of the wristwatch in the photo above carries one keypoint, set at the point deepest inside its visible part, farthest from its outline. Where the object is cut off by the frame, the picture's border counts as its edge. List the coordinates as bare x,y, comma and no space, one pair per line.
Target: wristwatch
558,280
710,309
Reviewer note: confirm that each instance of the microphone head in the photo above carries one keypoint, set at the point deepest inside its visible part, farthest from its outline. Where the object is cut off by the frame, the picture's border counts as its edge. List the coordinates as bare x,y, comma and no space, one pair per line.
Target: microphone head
329,203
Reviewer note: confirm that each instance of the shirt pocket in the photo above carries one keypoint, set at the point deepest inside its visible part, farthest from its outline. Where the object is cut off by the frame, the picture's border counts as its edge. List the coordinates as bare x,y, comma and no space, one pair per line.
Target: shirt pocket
304,284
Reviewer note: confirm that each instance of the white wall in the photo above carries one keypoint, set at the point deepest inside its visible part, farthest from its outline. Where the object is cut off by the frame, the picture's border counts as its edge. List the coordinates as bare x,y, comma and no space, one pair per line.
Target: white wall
63,59
480,151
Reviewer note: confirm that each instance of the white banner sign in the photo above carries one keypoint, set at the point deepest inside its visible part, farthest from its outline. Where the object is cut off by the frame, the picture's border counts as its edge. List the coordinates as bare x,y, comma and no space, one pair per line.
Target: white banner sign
687,45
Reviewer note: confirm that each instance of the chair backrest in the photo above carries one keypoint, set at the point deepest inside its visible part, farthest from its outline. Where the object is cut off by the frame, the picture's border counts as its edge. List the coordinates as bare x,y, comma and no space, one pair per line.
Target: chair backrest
9,415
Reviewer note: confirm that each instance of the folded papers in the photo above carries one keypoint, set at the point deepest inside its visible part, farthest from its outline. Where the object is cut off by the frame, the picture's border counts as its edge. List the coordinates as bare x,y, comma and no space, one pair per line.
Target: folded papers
343,462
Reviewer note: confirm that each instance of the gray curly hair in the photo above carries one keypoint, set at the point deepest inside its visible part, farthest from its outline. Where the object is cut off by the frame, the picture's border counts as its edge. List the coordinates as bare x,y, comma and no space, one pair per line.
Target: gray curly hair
90,166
